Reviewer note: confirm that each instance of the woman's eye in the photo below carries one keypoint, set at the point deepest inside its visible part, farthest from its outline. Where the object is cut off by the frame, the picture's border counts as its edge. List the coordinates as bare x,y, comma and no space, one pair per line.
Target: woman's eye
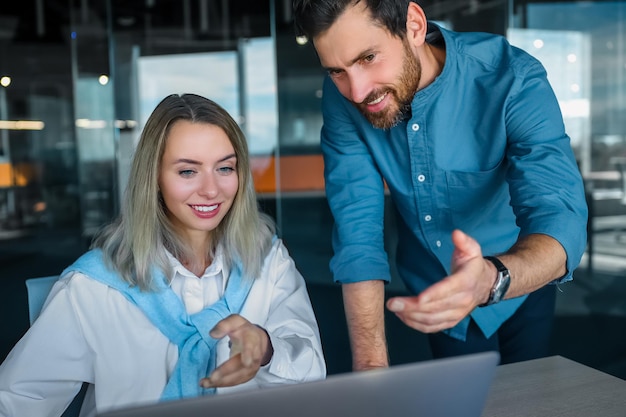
226,170
186,172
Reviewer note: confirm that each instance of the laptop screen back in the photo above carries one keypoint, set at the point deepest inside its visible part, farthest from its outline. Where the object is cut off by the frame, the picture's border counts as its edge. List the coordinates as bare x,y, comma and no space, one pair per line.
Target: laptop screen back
451,387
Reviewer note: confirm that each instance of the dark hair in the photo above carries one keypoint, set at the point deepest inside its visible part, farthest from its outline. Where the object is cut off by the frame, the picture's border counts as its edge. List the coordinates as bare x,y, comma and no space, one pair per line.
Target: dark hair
313,17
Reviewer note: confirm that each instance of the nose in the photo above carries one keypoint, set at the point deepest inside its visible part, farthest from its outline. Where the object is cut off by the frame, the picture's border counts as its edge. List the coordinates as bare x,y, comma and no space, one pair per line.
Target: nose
208,186
359,86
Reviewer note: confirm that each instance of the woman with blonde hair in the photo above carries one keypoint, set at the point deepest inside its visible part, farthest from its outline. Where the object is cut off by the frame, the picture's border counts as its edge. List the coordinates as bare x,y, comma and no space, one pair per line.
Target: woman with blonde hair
188,292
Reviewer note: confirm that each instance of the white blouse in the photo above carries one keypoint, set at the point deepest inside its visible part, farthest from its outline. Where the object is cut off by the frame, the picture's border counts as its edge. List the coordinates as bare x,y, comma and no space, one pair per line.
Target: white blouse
90,332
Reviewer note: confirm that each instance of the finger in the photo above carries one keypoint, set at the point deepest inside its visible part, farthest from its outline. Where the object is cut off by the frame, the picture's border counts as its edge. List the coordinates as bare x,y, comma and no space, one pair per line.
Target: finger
400,304
419,302
434,314
435,304
445,291
432,322
226,326
227,380
232,372
464,247
253,342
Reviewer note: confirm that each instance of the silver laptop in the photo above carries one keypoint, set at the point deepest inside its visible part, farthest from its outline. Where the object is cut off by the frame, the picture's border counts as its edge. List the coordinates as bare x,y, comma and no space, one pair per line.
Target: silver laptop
451,387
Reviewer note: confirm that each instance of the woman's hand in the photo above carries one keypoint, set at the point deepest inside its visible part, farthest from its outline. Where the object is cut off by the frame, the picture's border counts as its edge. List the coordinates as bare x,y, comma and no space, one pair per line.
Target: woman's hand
250,348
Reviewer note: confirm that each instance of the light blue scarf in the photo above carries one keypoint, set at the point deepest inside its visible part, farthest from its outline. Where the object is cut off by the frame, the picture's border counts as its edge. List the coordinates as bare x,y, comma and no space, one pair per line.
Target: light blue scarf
196,349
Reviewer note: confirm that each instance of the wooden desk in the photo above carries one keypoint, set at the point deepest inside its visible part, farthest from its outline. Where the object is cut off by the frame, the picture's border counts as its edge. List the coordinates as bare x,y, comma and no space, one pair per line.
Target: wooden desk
554,387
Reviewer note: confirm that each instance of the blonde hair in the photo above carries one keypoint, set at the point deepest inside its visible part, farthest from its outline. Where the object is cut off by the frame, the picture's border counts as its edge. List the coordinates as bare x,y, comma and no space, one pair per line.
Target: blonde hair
136,242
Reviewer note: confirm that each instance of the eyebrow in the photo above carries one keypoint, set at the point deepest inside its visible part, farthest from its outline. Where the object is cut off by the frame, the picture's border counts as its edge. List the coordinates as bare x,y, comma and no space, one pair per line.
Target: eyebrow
194,162
360,56
231,156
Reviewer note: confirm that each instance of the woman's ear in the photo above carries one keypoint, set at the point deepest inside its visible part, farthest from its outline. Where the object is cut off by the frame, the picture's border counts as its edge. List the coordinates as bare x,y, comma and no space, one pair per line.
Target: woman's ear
416,24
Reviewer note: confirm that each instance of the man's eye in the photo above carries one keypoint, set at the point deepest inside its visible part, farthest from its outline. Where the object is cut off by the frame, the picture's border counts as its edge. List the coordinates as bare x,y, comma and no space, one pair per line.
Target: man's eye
369,58
334,73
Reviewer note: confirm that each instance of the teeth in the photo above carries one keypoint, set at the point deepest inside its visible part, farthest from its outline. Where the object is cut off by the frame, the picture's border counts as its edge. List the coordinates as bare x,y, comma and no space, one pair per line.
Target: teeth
205,209
378,100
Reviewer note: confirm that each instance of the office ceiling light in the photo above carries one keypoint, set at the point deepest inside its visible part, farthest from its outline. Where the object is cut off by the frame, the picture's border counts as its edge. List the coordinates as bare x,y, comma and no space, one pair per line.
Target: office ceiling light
91,124
5,81
21,125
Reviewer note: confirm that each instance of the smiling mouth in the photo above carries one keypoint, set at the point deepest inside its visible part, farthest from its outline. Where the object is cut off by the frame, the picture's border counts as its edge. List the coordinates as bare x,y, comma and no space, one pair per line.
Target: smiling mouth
205,209
378,100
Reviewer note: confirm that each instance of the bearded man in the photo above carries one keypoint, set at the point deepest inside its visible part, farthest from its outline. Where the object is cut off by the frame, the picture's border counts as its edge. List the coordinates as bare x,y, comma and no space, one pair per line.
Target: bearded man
466,133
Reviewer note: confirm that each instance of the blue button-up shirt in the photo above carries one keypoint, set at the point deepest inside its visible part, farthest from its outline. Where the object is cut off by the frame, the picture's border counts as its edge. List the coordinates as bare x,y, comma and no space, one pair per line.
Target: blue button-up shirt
484,150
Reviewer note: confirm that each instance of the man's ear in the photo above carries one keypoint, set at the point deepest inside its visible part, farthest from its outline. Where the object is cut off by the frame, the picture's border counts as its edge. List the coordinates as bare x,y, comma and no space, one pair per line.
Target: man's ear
416,24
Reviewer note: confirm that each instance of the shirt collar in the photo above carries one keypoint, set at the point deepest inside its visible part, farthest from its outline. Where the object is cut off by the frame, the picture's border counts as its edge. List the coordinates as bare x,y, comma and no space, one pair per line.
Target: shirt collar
216,267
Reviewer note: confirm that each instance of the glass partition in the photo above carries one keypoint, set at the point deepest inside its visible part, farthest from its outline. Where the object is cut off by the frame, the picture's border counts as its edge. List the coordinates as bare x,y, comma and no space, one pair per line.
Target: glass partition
583,49
38,166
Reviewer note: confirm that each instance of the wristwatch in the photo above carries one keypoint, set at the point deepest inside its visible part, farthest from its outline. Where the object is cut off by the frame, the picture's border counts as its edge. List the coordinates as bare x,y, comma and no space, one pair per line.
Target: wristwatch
502,283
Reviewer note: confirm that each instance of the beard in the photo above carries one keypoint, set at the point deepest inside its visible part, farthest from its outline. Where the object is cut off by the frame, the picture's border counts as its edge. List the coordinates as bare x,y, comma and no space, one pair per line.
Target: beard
401,94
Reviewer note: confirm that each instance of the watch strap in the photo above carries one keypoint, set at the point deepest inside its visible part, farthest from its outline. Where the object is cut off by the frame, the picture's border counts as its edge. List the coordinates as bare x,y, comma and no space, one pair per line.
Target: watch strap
497,262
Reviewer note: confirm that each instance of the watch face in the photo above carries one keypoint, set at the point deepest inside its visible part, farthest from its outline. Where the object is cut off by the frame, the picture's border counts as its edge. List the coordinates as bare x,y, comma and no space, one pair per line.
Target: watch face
502,285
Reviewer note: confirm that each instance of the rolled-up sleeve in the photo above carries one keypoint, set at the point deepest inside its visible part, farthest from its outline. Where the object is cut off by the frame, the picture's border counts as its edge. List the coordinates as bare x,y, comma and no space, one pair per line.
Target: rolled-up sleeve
547,192
355,192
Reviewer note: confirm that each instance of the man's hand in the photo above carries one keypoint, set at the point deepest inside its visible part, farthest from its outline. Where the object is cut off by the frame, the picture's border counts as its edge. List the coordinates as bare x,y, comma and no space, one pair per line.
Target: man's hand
444,304
250,349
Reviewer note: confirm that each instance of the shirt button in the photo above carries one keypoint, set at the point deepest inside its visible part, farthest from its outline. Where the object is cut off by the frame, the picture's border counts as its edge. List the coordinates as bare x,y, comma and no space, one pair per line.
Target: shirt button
438,243
428,218
415,127
421,178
